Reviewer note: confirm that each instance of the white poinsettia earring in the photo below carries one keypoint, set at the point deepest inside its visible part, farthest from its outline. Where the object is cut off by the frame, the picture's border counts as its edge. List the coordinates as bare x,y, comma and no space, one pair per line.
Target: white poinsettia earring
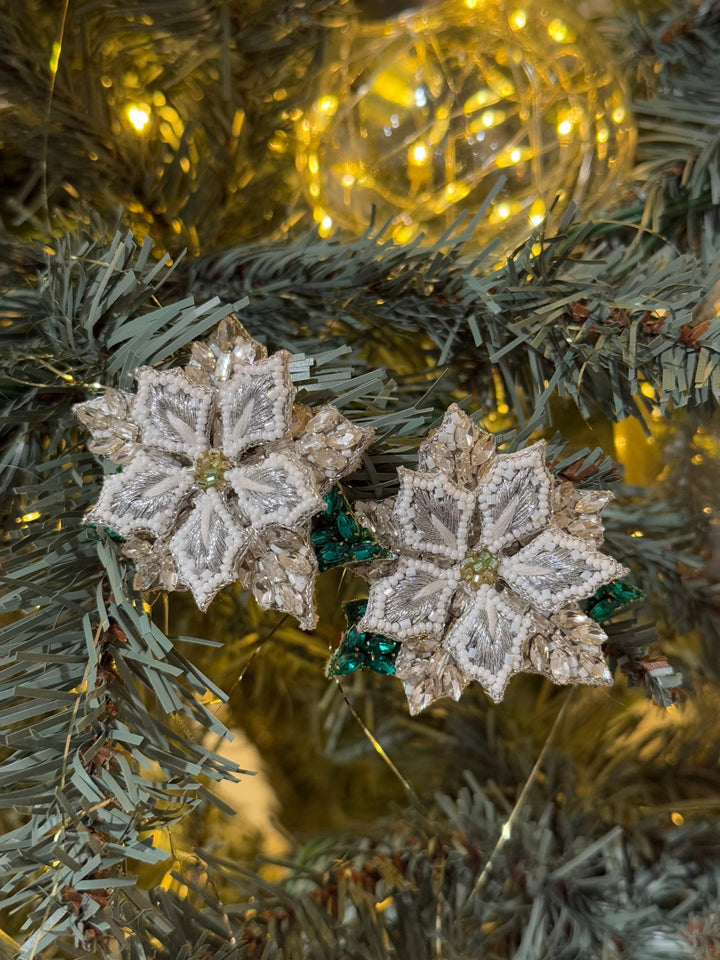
493,556
221,473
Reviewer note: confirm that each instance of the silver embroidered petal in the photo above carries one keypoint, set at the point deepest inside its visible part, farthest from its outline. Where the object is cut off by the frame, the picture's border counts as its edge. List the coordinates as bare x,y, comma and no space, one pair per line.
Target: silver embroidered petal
428,673
280,570
577,511
457,447
567,648
412,602
276,489
513,497
256,405
488,640
174,414
332,444
114,434
555,569
208,547
146,497
433,514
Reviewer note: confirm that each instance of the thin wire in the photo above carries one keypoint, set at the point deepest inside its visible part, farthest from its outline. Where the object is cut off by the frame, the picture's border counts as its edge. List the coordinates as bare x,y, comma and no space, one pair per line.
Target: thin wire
252,656
379,749
54,65
506,830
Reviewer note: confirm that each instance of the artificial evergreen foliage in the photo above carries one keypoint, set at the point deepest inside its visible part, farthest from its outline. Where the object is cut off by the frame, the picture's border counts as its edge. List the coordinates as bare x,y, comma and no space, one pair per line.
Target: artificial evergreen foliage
561,824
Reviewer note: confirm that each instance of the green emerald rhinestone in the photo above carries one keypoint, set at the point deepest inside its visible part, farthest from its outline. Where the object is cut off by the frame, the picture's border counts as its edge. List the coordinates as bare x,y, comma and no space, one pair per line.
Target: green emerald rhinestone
113,534
479,567
608,599
339,539
362,651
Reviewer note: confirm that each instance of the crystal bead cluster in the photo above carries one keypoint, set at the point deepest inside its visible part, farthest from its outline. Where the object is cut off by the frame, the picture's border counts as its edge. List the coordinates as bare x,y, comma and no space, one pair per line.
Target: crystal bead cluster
493,555
221,473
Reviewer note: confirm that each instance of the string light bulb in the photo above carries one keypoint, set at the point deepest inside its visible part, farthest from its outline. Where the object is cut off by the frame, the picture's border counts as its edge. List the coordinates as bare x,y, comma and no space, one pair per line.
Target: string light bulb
139,116
434,106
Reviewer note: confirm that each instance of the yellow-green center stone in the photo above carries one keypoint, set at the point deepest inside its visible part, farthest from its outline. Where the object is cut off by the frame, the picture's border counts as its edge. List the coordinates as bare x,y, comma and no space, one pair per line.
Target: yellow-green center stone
479,567
209,470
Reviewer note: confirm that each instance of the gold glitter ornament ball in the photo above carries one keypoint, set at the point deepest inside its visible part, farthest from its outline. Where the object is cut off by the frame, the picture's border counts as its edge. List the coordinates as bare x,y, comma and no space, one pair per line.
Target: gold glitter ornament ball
419,116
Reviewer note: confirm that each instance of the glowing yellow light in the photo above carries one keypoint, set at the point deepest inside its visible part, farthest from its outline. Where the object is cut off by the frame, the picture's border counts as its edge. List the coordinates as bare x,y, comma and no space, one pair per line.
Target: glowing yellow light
536,250
537,212
327,105
325,228
677,818
602,135
518,19
697,459
503,211
509,157
314,189
637,534
647,390
304,131
490,117
347,180
560,32
471,3
618,114
405,233
564,127
418,154
29,517
139,116
707,509
313,164
55,57
455,191
479,99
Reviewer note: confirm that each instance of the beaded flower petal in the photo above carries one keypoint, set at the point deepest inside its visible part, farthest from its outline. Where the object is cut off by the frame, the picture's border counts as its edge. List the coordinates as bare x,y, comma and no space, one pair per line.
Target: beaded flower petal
221,473
493,556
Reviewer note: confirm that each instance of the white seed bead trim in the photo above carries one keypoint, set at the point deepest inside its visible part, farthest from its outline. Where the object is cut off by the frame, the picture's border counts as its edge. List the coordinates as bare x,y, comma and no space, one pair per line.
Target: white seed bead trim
510,515
439,583
417,527
505,630
304,503
555,569
266,406
187,544
174,414
144,498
